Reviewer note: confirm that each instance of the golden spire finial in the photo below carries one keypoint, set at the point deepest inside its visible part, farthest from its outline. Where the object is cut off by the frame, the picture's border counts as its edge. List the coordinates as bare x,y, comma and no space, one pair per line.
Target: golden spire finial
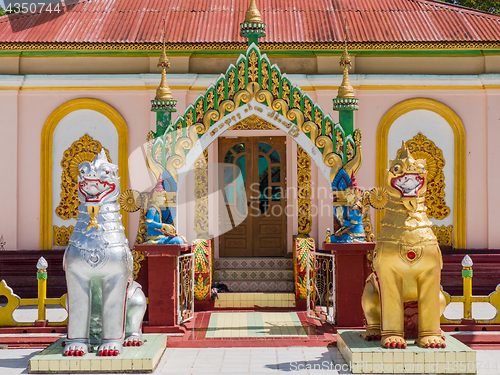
163,91
253,14
345,89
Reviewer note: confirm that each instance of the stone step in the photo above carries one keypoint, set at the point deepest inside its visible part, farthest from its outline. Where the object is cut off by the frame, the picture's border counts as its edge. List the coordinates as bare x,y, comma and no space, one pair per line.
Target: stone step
252,300
263,286
246,263
253,274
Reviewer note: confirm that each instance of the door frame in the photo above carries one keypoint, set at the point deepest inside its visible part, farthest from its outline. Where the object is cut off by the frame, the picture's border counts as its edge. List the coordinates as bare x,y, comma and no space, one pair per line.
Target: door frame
291,190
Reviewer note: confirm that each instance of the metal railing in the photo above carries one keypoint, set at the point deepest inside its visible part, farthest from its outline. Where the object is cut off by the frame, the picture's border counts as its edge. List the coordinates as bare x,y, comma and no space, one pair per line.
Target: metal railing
14,301
185,287
321,287
467,298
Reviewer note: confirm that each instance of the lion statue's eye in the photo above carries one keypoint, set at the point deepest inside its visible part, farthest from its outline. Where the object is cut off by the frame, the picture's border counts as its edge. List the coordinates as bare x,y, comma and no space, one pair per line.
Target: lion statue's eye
396,168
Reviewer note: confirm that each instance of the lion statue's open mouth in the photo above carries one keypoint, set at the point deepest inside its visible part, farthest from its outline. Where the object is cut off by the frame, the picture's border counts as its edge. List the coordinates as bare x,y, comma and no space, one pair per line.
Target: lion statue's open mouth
408,184
95,190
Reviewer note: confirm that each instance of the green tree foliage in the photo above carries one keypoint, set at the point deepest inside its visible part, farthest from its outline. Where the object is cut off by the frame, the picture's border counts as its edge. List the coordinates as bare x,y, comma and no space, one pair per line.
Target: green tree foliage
2,11
491,6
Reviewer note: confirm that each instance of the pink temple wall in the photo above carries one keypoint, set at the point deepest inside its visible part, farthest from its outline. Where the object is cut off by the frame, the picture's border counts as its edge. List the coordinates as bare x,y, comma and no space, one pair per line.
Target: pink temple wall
25,112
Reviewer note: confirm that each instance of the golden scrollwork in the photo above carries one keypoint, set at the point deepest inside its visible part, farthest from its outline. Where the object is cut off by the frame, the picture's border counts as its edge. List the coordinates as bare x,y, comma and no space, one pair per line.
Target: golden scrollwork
366,218
349,151
201,287
253,123
423,148
304,190
201,195
84,149
264,72
444,234
253,90
61,235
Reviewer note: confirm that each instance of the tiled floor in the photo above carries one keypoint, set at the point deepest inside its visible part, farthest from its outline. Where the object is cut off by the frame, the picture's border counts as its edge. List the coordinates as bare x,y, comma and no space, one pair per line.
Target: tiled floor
251,300
255,324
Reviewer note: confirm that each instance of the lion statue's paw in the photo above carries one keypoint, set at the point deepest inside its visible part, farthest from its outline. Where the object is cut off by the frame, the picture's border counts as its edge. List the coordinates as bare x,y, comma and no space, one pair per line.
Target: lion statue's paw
371,334
431,342
76,348
393,342
135,339
110,348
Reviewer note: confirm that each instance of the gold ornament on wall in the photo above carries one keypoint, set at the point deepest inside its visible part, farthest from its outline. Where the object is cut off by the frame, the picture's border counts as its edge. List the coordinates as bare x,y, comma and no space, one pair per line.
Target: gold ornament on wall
201,195
378,197
444,234
304,190
61,235
130,200
423,148
253,123
85,149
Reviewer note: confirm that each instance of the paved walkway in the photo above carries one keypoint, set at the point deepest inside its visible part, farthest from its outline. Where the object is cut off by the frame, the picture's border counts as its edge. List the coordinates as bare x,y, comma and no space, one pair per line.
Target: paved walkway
255,360
293,360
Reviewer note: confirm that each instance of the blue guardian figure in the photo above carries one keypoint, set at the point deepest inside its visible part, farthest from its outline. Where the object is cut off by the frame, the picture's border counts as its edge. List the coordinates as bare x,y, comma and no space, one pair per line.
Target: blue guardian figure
159,219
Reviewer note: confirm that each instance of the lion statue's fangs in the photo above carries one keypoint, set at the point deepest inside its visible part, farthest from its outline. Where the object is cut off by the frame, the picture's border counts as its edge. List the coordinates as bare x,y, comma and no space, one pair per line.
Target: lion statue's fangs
407,262
105,305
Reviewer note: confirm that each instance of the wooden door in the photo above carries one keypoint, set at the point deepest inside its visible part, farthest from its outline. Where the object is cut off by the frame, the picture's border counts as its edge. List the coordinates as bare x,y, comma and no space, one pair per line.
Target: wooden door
262,161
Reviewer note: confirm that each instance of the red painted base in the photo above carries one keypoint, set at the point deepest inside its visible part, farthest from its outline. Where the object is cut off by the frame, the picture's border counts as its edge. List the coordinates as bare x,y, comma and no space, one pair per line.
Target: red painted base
352,270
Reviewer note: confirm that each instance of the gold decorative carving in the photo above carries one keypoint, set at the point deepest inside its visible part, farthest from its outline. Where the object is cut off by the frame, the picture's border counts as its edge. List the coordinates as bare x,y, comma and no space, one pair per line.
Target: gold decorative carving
423,148
264,69
201,195
253,123
220,91
275,83
444,234
349,151
339,142
230,83
130,200
253,67
61,235
378,197
366,218
240,46
241,75
286,91
199,109
296,99
210,100
307,109
304,190
85,149
189,119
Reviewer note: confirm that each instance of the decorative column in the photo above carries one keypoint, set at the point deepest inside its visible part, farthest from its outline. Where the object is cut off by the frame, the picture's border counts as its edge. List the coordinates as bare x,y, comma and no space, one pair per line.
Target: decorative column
302,242
202,245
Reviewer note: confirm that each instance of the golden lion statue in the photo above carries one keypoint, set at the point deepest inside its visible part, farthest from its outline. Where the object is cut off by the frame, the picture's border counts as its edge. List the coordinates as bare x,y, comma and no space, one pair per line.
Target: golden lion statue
406,261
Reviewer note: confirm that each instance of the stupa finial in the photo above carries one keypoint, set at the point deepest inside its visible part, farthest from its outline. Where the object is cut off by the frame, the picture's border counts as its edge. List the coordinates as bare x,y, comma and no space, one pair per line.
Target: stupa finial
163,92
253,27
345,89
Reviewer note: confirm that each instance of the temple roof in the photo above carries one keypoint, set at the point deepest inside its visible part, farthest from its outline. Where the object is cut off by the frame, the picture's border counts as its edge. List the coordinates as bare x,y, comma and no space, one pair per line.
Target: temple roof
288,21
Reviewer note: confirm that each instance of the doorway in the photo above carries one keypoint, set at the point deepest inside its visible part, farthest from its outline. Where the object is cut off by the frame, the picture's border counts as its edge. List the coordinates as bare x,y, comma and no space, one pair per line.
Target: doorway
259,194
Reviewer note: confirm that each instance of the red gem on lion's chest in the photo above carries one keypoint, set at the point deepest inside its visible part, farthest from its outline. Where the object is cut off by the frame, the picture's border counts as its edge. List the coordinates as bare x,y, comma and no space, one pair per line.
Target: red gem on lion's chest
411,254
